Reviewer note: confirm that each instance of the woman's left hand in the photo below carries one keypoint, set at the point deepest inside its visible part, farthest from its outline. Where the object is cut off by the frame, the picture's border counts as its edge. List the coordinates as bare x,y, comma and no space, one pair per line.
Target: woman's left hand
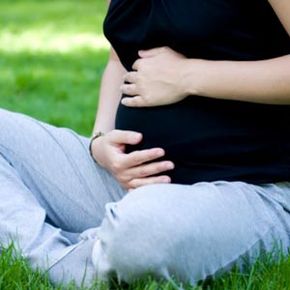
157,79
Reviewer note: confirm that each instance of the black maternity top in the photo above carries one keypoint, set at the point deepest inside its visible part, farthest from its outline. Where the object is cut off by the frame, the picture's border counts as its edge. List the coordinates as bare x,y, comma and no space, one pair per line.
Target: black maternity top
207,139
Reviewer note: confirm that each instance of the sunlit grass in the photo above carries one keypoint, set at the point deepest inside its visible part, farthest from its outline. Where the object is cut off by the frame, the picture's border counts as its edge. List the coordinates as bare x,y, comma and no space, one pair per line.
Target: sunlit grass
45,40
70,16
52,55
40,26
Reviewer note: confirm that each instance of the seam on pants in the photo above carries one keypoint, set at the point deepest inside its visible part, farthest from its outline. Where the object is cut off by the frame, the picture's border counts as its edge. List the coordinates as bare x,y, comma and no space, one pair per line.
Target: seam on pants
73,247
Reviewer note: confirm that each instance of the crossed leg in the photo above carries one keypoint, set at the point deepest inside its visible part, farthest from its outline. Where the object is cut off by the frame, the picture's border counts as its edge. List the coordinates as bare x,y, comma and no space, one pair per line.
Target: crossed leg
51,191
71,216
191,232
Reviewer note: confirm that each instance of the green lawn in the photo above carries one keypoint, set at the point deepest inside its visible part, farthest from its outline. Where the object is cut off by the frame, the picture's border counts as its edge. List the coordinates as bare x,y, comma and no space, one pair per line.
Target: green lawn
52,54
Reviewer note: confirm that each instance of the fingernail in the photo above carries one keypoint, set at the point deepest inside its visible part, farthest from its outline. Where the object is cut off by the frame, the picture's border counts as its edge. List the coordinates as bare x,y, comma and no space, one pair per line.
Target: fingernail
124,102
138,136
170,165
166,179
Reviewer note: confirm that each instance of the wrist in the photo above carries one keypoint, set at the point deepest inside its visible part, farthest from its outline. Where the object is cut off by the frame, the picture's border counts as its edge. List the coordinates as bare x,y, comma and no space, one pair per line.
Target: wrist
195,77
95,136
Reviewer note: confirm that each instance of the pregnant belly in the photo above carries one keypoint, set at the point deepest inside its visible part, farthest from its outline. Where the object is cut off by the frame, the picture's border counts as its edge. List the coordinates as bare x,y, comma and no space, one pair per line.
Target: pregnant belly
164,126
208,139
196,129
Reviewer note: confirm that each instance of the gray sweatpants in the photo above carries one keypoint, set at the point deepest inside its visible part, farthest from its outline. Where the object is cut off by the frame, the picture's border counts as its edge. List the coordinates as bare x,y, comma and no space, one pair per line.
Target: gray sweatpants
70,216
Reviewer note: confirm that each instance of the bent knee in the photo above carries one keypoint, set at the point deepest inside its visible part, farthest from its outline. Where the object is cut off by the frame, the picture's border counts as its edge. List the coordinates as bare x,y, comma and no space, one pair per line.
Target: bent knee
173,229
147,232
11,125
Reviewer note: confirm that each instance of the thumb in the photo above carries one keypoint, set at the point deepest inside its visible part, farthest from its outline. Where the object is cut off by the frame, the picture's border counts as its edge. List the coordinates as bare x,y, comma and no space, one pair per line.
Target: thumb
124,137
151,52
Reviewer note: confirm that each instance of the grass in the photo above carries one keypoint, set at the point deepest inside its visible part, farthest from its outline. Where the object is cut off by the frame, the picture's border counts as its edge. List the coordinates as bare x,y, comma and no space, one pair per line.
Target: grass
52,54
265,274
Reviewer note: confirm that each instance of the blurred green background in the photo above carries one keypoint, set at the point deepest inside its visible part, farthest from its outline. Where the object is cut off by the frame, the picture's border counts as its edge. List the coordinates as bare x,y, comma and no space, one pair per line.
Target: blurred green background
52,55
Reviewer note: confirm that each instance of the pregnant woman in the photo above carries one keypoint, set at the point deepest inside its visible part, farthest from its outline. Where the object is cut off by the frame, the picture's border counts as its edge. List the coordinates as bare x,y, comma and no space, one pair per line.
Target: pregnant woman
189,175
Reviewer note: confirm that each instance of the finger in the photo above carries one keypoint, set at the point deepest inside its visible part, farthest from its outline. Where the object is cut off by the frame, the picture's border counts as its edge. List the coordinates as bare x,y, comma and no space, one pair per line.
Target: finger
136,101
130,77
136,64
129,89
149,180
124,137
152,52
149,169
138,157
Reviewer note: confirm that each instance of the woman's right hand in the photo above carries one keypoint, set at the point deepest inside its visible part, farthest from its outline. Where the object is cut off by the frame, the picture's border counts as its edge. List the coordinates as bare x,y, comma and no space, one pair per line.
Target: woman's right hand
129,169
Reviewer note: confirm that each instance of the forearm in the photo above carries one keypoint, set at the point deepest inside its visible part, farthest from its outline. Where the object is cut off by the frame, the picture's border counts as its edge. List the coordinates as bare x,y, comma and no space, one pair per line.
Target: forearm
266,81
110,95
